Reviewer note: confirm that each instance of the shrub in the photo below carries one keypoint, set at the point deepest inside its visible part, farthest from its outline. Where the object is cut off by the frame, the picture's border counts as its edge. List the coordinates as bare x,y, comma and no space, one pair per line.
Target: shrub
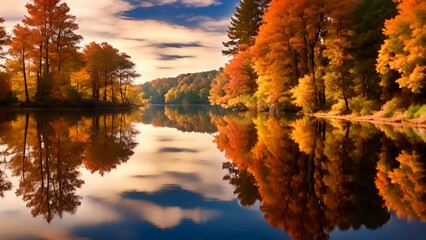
409,114
391,107
71,94
339,108
362,106
415,111
304,95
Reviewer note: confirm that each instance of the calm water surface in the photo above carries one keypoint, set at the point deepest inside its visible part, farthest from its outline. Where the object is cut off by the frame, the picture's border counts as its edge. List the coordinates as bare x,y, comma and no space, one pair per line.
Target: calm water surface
199,173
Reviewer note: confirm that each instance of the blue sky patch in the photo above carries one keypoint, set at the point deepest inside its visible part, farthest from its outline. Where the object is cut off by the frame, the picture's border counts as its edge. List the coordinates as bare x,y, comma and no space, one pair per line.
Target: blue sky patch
181,14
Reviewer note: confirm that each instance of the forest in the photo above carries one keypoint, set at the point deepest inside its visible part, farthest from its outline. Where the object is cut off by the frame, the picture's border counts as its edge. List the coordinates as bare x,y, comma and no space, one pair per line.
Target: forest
357,57
44,64
185,89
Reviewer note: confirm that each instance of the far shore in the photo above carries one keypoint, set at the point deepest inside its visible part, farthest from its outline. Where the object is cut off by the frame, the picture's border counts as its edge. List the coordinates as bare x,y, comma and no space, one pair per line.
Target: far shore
375,119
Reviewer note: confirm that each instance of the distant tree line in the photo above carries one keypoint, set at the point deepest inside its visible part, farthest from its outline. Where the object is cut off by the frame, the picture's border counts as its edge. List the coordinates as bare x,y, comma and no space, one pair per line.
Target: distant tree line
348,56
43,62
189,88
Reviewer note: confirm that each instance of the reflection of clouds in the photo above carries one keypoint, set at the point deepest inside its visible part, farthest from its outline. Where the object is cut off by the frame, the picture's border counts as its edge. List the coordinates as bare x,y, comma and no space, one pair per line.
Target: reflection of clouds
148,170
177,175
168,217
187,153
19,223
102,21
160,216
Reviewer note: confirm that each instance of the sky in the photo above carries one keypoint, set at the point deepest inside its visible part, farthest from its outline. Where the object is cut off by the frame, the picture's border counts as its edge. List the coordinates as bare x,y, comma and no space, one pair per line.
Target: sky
163,37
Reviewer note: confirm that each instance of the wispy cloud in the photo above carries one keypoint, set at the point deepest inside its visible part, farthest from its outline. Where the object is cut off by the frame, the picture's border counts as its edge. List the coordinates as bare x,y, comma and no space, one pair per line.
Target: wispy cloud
188,3
177,45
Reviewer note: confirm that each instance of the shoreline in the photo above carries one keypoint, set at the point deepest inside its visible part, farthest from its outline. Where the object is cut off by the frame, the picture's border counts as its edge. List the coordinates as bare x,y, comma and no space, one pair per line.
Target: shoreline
64,108
374,119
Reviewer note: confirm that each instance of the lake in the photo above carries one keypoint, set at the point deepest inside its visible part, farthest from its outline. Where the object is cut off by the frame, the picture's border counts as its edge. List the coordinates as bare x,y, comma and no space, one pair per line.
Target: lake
203,173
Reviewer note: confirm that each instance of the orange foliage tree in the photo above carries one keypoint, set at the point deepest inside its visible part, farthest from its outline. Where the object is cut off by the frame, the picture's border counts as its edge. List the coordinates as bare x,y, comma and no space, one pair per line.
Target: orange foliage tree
404,49
53,29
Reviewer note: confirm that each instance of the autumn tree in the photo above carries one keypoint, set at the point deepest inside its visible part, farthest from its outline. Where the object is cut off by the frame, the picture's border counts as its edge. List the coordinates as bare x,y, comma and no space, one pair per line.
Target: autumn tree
107,67
338,78
93,58
276,59
3,38
53,31
290,47
126,73
304,94
404,49
5,91
242,81
109,63
20,48
217,94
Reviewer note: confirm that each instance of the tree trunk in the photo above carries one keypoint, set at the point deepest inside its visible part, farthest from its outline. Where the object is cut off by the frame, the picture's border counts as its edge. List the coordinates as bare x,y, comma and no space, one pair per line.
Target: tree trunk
39,71
106,83
24,71
112,90
345,97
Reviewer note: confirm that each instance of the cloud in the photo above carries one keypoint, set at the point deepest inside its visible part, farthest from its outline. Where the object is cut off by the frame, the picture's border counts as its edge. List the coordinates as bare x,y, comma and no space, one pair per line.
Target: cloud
176,150
189,49
187,3
164,68
177,45
167,57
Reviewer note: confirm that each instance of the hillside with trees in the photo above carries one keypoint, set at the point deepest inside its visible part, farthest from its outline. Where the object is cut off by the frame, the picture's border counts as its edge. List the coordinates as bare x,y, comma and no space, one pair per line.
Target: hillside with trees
45,65
339,56
185,89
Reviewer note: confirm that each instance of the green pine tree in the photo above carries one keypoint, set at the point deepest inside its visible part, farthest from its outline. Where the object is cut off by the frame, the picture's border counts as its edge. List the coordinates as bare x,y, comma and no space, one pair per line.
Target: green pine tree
244,25
369,18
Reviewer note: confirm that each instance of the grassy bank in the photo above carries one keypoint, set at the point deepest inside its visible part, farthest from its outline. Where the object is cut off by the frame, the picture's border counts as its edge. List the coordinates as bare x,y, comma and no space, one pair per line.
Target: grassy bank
414,116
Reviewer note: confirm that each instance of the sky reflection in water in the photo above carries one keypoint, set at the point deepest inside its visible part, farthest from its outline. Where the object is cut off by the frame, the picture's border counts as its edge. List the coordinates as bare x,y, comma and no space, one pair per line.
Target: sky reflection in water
200,173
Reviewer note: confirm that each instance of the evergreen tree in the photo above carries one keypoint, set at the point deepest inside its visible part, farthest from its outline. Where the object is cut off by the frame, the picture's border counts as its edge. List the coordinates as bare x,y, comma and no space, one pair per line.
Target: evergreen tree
244,25
369,19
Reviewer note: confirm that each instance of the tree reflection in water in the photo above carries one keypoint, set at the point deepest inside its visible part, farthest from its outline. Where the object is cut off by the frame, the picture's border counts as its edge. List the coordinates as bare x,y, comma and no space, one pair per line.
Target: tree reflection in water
47,151
314,176
310,176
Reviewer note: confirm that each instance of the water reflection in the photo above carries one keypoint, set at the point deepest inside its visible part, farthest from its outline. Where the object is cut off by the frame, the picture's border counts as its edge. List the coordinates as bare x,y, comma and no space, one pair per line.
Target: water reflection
47,151
308,177
314,176
183,118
